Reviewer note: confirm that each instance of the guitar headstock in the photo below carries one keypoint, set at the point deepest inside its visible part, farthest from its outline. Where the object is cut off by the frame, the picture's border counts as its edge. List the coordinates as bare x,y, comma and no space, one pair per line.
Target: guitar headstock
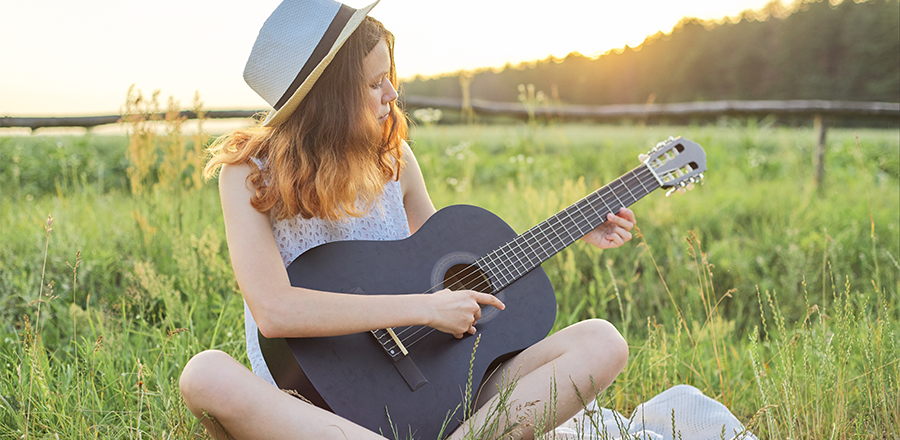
677,162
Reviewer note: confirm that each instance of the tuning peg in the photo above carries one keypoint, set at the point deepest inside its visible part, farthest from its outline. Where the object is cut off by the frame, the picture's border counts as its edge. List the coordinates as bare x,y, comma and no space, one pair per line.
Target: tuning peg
670,191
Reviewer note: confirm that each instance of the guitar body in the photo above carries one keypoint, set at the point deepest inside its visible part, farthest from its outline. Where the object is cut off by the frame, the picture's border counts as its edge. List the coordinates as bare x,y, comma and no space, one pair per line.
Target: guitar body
353,375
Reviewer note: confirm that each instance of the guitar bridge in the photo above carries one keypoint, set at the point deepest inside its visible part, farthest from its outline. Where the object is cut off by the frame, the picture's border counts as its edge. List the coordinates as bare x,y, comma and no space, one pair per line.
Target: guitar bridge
400,358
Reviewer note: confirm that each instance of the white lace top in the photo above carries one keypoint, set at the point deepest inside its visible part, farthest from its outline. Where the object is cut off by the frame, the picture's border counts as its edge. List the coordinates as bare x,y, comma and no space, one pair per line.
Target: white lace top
386,221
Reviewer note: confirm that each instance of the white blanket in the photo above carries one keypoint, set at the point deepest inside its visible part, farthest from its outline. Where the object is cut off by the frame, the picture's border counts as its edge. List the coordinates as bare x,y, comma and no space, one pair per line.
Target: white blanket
696,417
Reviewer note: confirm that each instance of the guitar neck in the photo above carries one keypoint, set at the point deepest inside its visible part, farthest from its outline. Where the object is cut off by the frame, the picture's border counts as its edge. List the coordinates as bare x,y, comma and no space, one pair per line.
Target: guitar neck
519,256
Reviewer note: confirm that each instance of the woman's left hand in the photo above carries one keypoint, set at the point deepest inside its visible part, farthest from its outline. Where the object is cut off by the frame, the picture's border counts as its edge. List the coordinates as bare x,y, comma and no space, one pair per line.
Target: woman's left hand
614,232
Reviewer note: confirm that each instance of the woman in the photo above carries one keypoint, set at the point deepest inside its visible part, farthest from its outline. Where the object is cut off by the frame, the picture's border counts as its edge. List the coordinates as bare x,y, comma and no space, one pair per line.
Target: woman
330,163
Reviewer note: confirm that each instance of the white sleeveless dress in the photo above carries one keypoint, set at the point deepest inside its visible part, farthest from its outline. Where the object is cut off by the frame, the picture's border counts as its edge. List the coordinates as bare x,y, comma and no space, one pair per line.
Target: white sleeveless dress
386,221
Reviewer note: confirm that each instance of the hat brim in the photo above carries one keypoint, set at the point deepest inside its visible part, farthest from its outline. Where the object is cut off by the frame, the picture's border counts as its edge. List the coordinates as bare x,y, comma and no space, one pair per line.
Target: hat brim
276,117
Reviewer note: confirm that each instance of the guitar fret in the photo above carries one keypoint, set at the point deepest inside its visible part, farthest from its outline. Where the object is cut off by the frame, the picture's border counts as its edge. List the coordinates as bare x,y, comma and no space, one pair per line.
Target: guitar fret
522,253
528,243
495,268
566,228
499,264
646,191
498,271
628,188
576,216
553,228
510,268
621,203
586,219
513,269
633,198
604,203
600,217
544,243
616,195
582,228
544,229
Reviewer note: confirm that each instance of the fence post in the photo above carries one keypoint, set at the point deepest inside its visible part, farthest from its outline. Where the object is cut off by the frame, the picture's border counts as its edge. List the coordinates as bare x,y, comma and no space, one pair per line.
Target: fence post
820,128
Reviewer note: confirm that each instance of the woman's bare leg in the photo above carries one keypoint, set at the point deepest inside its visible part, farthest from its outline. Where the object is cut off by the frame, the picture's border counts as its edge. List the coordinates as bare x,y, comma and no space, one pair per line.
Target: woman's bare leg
586,356
243,406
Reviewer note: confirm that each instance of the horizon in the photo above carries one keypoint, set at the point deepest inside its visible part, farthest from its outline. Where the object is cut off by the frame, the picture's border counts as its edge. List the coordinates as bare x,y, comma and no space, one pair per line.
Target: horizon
66,75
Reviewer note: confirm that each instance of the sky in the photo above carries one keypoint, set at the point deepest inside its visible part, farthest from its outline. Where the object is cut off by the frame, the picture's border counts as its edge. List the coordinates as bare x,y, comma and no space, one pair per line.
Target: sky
79,57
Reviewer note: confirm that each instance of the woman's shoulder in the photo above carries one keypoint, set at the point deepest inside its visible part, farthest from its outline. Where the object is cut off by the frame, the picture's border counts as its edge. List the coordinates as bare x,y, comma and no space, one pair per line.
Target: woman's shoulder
235,176
234,171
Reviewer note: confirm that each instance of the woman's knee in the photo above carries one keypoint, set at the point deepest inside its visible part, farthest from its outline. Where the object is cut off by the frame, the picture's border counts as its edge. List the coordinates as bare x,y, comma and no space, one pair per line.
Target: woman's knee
202,376
607,344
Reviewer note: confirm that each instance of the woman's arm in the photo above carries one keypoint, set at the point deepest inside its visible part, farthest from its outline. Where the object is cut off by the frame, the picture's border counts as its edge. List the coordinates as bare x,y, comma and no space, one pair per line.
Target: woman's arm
281,310
415,196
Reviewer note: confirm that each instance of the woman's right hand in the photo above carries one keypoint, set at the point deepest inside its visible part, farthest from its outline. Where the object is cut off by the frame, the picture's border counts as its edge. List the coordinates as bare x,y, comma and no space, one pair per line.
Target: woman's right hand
457,311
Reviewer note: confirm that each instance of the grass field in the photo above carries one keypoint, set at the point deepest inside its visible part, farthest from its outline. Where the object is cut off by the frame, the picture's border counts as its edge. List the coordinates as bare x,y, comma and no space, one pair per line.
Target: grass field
777,298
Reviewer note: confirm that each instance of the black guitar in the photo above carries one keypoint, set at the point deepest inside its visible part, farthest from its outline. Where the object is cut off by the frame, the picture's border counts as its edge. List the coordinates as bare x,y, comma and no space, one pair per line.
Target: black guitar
413,379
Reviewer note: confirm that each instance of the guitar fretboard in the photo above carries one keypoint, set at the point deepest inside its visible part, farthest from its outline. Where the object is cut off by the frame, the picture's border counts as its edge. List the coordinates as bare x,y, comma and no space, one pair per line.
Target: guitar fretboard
519,256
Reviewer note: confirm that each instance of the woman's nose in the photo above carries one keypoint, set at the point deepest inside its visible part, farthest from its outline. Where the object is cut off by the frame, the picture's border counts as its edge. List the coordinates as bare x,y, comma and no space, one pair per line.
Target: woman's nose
390,93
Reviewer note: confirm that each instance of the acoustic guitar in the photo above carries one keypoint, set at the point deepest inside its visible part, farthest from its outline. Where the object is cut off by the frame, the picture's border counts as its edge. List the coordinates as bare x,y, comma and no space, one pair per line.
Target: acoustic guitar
412,380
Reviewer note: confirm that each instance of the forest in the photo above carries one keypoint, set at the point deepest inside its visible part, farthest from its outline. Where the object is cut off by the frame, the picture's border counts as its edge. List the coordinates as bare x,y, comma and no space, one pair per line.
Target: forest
849,51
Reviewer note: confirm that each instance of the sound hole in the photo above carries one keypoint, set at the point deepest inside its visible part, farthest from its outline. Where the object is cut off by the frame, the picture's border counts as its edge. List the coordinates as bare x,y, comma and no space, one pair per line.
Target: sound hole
467,277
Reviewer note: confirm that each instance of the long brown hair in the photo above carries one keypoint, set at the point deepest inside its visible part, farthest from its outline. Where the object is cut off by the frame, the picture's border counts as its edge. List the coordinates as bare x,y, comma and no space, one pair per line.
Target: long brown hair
330,158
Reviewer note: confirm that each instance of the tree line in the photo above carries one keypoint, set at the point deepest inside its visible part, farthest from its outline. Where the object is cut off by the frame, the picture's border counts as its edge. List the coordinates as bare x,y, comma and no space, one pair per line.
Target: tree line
809,50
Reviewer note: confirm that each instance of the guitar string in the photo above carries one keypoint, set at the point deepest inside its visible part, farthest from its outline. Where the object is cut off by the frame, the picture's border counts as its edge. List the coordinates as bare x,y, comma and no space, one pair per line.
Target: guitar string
518,246
542,229
580,208
473,272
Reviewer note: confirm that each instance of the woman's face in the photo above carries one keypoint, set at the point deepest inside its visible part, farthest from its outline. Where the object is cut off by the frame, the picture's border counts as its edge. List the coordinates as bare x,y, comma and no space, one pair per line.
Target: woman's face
377,68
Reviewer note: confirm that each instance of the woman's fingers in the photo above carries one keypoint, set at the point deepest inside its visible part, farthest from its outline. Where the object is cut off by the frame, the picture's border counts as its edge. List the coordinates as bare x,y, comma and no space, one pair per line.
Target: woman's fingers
616,237
625,218
614,232
463,312
624,223
489,300
619,235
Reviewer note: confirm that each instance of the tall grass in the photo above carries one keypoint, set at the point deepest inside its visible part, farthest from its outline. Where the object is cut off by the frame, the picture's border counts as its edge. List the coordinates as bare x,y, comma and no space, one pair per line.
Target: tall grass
774,298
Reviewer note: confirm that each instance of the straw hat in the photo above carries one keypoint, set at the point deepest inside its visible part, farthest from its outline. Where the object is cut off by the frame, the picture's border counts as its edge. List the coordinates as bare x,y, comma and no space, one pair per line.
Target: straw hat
294,46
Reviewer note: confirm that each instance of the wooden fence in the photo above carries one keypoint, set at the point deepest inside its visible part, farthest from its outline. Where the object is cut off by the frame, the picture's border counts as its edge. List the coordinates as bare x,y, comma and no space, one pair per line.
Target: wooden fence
600,113
94,121
707,109
820,111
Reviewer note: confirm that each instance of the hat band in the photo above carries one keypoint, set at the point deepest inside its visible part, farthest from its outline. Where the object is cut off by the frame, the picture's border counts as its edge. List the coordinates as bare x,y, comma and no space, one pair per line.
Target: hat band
325,44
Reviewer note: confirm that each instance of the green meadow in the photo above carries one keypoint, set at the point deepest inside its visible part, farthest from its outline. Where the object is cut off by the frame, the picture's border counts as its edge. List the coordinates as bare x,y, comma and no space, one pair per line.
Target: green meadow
774,296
